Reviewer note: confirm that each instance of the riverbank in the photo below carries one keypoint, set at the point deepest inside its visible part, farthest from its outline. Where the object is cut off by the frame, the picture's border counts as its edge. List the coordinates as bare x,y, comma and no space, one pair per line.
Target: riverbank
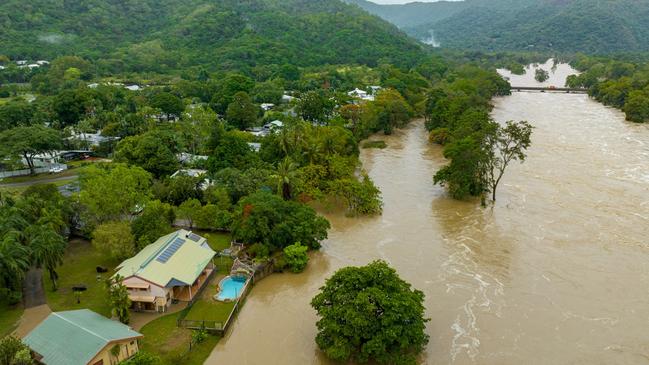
557,261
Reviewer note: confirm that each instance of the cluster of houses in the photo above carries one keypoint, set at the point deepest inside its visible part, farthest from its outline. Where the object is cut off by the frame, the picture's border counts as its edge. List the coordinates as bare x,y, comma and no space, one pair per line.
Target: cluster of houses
173,269
26,64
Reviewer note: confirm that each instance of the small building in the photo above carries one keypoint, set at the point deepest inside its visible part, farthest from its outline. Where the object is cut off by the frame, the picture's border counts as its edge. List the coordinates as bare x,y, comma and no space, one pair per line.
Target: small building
173,268
42,62
133,87
2,67
361,94
287,98
267,106
92,139
188,158
254,146
190,172
33,66
82,337
21,62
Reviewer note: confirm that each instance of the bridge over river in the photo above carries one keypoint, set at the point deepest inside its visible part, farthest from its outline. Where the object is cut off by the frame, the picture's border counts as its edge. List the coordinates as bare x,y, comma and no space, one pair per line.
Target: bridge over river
568,90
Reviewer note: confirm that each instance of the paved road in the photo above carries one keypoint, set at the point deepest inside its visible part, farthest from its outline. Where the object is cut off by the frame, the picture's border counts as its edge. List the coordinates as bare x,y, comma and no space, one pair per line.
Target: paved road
33,291
37,182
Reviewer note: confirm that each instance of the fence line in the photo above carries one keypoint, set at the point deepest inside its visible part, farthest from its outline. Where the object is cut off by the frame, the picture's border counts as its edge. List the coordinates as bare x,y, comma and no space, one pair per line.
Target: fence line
25,172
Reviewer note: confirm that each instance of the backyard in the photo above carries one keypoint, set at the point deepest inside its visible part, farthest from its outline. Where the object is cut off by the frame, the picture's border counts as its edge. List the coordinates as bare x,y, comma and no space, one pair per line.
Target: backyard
9,316
79,268
165,339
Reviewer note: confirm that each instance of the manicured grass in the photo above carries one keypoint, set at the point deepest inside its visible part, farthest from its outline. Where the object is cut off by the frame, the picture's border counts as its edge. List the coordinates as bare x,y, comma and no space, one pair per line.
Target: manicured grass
163,338
210,310
374,144
219,241
9,316
79,267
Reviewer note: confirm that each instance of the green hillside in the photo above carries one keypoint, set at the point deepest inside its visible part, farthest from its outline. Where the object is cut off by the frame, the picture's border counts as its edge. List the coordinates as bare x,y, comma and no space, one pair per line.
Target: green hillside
593,26
157,35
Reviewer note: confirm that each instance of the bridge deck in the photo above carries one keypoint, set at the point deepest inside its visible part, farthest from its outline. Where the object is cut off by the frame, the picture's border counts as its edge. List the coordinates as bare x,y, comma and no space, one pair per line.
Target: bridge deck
551,89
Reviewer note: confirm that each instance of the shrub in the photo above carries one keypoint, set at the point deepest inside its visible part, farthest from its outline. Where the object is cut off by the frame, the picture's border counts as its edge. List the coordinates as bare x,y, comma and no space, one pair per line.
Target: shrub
296,257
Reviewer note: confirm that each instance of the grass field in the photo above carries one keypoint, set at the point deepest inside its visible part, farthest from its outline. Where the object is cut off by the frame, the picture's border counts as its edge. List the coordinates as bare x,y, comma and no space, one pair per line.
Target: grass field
78,267
9,316
163,338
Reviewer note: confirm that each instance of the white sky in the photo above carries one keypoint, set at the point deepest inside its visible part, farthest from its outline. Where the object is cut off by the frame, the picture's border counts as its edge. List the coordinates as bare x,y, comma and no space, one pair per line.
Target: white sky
401,1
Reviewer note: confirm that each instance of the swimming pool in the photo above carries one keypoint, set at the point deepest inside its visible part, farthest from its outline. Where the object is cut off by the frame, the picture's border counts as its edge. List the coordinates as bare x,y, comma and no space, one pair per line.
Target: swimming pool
231,288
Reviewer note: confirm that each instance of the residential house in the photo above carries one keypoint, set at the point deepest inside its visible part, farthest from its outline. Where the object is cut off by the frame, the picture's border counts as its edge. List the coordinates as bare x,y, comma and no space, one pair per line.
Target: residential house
267,106
82,337
361,94
188,158
195,173
173,268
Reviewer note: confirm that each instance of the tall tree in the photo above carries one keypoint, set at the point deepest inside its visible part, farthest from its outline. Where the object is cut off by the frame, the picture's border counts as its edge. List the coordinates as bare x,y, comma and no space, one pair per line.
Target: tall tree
27,142
47,250
241,112
168,103
115,192
505,144
286,175
118,298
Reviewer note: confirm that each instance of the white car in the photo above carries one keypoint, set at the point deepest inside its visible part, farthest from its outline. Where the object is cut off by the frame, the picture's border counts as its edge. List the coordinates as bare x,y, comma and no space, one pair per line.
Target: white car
56,170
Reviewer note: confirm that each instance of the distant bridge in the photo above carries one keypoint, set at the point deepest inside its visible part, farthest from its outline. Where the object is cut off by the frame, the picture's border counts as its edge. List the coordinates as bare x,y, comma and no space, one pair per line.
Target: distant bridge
568,90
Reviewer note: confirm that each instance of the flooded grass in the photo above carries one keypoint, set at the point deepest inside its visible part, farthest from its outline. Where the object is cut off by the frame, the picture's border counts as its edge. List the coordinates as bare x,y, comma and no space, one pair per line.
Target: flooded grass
374,144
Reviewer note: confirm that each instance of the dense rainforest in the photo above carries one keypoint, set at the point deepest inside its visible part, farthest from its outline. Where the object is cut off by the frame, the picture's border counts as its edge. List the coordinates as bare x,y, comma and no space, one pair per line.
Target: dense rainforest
593,26
159,36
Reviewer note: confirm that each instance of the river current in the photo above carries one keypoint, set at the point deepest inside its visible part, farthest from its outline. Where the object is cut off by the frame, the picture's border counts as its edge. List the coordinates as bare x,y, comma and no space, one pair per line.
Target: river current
555,272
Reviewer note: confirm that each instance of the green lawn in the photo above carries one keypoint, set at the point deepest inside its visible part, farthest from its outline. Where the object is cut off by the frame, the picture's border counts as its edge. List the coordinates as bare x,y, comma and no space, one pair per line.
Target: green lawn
163,338
207,309
217,240
78,267
9,316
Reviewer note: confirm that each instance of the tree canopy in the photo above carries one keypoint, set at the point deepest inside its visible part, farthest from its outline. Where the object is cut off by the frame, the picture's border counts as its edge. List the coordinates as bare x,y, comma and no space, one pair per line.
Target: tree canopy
370,314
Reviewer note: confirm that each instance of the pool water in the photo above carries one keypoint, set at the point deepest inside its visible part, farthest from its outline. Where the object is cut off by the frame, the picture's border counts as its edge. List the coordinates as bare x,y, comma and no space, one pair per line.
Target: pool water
231,288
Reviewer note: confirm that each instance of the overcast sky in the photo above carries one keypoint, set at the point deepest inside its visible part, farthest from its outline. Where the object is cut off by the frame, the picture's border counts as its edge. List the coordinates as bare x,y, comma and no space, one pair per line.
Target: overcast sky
400,1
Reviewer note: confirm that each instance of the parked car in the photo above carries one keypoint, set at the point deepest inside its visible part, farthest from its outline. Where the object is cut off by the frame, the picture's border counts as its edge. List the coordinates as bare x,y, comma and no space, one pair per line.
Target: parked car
56,169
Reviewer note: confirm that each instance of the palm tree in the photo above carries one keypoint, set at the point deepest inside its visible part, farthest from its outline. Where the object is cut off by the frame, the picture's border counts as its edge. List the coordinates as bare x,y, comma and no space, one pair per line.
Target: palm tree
14,260
47,250
286,175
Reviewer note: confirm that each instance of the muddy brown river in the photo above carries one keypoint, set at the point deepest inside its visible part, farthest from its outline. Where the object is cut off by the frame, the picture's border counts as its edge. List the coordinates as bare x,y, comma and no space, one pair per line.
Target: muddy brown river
556,272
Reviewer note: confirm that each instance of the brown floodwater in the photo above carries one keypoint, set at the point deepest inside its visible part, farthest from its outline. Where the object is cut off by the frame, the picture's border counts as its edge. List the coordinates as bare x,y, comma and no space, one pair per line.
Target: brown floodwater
556,272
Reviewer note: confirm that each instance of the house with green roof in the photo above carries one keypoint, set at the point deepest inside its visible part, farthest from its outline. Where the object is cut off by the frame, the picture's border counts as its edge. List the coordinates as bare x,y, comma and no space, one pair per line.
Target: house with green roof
174,267
82,337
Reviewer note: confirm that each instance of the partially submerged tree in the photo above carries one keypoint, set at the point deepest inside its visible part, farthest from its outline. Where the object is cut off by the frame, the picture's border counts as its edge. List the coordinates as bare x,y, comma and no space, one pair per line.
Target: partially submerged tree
505,144
370,314
296,257
541,75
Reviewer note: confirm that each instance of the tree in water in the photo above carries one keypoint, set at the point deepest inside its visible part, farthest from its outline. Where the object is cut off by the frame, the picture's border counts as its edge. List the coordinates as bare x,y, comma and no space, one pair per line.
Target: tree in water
504,144
370,314
541,75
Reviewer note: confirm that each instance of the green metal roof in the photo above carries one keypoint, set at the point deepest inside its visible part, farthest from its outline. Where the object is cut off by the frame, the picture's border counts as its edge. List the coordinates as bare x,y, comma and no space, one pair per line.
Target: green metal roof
177,258
75,337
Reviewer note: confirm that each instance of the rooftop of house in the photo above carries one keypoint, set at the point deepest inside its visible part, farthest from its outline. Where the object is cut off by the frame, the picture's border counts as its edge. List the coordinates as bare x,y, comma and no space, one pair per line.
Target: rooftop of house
176,259
75,337
190,172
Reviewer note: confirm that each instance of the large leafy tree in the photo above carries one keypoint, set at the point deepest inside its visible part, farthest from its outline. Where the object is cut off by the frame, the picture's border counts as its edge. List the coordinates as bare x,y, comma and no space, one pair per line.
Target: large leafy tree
114,239
269,220
29,141
153,151
241,112
114,192
154,222
168,103
370,314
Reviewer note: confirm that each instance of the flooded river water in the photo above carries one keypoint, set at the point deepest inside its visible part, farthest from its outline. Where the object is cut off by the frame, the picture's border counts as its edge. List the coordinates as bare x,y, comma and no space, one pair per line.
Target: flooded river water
557,272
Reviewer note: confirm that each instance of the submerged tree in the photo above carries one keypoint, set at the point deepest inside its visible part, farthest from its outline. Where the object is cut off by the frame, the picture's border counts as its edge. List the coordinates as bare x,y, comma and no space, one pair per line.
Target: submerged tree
541,75
370,314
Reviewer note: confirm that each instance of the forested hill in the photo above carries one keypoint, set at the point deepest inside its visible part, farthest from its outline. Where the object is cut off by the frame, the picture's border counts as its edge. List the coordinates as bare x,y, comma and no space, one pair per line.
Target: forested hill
412,14
157,35
594,26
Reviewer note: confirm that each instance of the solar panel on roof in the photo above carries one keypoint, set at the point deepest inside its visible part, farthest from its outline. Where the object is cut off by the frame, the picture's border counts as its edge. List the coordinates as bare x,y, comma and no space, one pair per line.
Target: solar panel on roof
194,237
170,250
